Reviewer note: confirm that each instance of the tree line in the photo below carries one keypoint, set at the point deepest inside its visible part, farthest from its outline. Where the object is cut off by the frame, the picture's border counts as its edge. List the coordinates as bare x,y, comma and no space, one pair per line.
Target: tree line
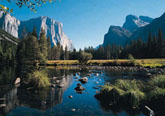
34,48
154,47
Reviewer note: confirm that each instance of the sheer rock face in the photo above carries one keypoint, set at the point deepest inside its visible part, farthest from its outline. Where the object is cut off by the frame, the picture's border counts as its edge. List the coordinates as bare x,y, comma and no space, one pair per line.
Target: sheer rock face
9,23
133,22
153,28
52,28
116,34
123,35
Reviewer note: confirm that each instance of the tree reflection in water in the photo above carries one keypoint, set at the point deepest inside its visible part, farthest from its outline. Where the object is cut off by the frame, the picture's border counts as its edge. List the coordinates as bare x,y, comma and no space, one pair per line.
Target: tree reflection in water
42,99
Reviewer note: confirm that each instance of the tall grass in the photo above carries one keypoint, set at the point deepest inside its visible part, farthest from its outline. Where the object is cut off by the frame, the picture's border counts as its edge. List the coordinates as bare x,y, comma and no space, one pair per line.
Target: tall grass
158,81
39,79
132,92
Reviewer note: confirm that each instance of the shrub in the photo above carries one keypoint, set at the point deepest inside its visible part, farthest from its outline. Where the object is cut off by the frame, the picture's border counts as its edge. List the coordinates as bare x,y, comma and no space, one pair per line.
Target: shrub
132,59
84,57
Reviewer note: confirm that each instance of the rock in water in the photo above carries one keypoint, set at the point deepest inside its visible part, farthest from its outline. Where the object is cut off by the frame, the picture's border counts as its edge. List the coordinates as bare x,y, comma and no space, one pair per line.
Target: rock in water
83,80
79,88
17,81
70,96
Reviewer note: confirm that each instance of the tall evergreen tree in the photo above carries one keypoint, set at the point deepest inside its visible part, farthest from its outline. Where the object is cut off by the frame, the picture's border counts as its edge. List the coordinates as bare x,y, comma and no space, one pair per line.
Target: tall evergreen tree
66,56
34,33
43,45
32,48
160,44
49,47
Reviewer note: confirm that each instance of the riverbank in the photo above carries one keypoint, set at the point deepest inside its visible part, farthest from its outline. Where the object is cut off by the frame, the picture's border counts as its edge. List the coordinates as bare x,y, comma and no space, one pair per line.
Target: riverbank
151,63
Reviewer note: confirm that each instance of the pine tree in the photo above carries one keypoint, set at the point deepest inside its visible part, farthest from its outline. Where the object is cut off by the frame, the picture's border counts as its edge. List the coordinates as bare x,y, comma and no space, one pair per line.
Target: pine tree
160,44
43,45
66,56
49,47
62,53
108,49
34,33
32,48
149,45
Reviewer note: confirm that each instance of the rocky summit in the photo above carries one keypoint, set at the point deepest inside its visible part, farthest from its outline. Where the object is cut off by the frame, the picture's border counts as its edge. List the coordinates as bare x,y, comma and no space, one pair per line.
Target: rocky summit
53,28
130,30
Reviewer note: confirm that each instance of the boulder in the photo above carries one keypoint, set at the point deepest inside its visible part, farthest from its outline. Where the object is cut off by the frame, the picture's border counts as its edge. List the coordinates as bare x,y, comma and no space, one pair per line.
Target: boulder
61,85
79,88
83,80
17,81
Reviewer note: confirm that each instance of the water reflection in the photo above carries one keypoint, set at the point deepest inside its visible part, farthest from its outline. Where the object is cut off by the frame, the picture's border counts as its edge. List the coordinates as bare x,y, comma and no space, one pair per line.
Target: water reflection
8,99
54,100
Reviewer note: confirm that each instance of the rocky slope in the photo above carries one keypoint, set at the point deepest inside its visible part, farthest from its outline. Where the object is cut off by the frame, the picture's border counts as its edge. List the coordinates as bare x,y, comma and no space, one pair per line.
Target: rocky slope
133,22
116,34
53,28
123,35
153,27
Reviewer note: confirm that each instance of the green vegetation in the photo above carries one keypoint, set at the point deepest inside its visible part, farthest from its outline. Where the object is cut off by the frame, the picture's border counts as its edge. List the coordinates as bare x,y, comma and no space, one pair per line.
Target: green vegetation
84,57
133,92
38,79
154,47
119,62
8,48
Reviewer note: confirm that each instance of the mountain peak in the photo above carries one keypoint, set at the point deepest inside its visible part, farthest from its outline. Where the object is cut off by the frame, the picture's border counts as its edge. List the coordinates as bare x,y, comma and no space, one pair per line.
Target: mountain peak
53,28
133,22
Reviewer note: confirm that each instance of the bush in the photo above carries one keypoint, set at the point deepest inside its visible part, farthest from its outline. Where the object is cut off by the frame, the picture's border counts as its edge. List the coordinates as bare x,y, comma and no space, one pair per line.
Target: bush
132,59
84,57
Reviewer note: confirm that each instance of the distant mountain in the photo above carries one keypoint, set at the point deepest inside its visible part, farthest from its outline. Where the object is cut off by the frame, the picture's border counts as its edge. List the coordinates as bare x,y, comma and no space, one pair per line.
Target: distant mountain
116,34
133,22
123,35
53,28
153,27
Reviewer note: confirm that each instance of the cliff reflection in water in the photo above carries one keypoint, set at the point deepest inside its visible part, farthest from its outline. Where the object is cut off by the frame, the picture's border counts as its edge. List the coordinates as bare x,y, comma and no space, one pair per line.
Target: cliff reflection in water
12,97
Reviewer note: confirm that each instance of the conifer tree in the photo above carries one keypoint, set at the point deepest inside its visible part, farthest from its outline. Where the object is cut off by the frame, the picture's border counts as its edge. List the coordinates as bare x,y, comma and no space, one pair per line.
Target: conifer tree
49,47
32,48
34,33
66,56
43,45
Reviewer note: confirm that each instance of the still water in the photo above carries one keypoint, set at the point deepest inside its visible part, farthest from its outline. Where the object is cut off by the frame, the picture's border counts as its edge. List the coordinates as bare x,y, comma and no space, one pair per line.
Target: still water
55,101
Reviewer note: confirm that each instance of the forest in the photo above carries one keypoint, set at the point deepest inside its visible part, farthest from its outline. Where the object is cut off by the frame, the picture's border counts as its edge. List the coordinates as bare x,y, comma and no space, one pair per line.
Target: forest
34,48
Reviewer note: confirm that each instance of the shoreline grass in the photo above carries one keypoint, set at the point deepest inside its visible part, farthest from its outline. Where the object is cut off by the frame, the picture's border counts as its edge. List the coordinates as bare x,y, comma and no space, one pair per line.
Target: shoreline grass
114,62
134,92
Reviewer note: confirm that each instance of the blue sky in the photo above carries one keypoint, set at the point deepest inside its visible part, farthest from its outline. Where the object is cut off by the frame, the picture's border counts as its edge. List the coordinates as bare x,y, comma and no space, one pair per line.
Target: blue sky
86,21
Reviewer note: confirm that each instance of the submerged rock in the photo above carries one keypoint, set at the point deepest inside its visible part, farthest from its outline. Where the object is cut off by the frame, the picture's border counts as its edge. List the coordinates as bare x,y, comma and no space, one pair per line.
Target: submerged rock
83,80
73,110
79,88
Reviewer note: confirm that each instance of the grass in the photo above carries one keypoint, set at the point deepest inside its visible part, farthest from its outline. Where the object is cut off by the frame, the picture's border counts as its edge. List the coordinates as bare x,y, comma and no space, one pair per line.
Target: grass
39,79
158,81
117,62
132,92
